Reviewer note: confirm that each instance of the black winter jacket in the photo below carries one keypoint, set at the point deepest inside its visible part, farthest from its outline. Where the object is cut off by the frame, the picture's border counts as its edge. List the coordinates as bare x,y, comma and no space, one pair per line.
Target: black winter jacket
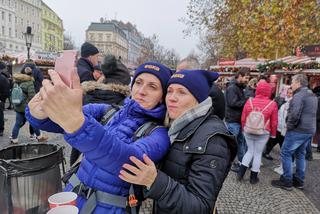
249,92
192,173
218,101
104,93
235,101
4,87
85,70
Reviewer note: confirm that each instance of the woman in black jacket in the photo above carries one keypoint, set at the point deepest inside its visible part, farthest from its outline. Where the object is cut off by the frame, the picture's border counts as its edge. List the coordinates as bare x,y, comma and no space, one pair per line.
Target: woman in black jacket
202,150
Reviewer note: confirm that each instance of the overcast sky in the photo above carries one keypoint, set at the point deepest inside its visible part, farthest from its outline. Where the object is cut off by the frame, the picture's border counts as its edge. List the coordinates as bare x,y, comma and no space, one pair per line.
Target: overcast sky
150,16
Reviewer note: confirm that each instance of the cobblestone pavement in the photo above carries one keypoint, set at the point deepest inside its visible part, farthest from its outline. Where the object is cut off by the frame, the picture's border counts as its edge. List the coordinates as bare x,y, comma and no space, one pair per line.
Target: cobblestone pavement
235,197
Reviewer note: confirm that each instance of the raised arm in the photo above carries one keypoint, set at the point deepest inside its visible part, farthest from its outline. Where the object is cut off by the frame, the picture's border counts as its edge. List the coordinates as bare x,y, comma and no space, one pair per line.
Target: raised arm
107,150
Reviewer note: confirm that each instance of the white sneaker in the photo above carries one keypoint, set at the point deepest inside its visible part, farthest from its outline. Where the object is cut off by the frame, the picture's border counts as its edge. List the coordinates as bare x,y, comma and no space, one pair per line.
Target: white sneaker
278,170
32,137
14,141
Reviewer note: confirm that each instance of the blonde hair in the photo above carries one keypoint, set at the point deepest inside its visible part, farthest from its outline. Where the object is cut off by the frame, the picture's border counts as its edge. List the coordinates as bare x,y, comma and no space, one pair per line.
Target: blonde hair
253,82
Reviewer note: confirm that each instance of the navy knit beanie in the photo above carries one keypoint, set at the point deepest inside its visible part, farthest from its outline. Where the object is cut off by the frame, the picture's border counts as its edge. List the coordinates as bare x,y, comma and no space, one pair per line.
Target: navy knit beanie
162,72
88,49
198,82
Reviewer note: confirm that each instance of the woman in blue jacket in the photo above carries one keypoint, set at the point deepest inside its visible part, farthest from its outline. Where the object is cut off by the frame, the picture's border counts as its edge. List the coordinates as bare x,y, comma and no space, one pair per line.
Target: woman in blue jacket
106,148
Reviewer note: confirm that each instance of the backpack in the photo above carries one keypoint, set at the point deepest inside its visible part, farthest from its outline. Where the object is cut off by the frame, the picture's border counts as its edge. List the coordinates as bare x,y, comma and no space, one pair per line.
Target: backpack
255,123
144,130
17,95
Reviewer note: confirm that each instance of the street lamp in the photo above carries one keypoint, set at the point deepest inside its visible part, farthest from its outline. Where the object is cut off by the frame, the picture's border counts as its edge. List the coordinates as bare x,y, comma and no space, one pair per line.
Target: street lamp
28,36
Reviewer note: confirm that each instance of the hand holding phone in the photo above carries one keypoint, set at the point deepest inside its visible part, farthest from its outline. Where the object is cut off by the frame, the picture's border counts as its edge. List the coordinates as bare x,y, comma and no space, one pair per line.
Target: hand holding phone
65,65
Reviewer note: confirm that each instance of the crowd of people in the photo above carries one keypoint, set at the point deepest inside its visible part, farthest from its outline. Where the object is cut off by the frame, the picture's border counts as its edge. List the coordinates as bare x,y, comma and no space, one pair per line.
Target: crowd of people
168,135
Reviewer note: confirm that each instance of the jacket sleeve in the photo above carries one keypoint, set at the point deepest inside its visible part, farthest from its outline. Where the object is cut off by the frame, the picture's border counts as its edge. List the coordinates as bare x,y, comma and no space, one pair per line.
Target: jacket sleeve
294,112
245,113
45,124
96,110
233,99
108,151
274,120
205,180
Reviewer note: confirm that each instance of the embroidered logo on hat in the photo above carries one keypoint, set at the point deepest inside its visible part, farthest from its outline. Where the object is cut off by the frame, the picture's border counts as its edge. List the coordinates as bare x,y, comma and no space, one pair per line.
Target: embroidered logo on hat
152,67
177,76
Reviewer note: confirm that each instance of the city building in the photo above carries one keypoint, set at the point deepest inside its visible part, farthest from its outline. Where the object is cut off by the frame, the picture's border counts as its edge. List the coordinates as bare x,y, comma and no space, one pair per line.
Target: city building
134,42
8,31
109,38
27,13
52,30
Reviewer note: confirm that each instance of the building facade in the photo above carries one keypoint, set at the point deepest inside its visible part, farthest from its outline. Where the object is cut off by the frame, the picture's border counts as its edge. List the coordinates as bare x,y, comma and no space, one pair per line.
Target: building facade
17,15
52,30
27,13
109,38
134,42
7,26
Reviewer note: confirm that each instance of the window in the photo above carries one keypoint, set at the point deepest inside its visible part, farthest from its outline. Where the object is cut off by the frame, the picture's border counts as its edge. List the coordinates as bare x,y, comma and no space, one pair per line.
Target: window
3,31
10,32
3,15
10,17
91,36
16,33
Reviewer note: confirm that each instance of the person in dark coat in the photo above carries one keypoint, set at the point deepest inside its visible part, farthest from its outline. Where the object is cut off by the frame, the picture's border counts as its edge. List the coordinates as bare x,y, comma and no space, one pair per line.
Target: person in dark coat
250,90
235,101
114,87
37,82
218,101
36,74
4,94
89,59
201,152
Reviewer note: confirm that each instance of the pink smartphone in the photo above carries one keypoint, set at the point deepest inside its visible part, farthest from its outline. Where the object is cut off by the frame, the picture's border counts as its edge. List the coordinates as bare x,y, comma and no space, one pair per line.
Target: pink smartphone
65,65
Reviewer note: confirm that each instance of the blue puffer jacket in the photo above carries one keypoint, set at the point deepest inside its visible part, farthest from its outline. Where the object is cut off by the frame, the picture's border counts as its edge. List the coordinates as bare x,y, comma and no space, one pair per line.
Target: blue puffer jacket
107,148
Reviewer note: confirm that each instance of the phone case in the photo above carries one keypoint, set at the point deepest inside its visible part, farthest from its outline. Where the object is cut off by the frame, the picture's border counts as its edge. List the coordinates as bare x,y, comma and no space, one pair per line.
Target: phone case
65,65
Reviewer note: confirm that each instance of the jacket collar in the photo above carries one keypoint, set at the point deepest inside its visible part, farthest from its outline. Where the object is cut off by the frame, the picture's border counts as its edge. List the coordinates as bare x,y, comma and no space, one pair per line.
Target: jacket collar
192,127
86,63
89,86
18,77
133,108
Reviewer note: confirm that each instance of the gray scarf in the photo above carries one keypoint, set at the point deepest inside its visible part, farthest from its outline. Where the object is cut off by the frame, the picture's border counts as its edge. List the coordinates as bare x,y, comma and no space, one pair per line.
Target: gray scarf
198,111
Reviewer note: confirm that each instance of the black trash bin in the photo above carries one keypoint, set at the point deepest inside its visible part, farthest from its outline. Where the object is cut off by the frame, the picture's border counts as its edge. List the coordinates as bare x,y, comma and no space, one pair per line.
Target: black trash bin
29,174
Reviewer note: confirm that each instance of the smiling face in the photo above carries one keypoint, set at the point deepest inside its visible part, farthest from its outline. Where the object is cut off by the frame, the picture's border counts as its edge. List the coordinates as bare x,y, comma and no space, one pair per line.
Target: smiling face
147,90
179,100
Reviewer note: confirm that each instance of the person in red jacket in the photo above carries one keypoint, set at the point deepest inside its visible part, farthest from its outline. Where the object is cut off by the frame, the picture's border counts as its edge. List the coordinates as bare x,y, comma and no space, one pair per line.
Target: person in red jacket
261,102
